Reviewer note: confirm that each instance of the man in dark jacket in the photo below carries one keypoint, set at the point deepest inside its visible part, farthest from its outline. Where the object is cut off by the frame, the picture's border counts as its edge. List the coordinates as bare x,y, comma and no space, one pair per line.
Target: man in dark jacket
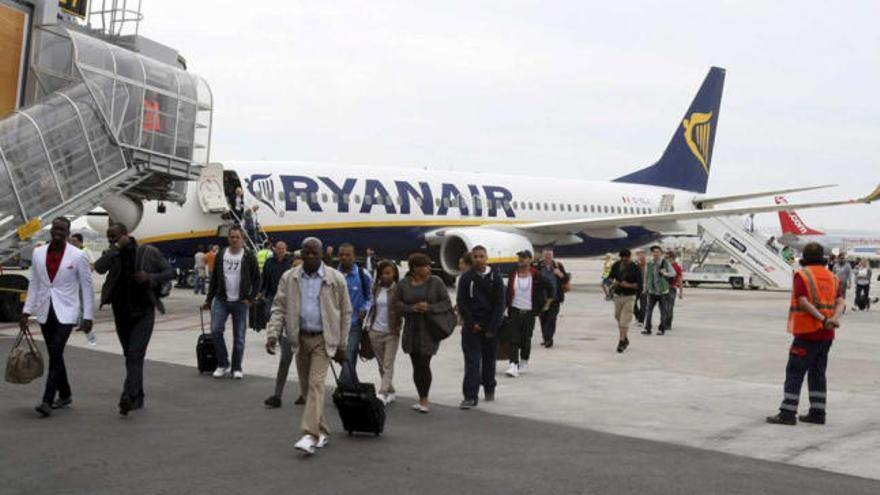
555,275
235,282
481,304
528,295
276,266
135,275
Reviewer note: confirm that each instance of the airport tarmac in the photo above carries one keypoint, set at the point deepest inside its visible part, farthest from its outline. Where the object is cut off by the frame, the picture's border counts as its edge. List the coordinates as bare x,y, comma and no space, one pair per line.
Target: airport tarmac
674,405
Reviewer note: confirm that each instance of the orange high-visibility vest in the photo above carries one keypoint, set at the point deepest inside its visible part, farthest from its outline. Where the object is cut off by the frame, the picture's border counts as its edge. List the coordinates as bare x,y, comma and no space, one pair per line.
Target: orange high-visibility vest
151,116
822,288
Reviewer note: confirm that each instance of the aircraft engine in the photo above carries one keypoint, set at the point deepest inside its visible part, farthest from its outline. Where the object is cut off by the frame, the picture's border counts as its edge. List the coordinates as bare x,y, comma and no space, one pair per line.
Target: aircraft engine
500,246
120,208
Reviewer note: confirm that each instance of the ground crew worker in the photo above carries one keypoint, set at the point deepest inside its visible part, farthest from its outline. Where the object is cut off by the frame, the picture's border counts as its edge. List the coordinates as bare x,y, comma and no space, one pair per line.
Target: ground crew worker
263,254
816,305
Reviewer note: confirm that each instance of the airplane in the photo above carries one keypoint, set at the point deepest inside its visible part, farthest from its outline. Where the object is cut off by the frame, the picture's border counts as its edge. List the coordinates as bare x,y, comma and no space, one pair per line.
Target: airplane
796,233
401,211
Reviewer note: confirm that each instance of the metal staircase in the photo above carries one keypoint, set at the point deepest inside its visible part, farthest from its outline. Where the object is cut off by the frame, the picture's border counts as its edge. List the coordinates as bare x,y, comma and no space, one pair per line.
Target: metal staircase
105,121
749,249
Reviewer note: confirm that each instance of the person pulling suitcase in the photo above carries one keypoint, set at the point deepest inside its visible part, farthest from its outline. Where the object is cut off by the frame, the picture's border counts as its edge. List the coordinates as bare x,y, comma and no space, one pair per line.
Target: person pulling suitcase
313,311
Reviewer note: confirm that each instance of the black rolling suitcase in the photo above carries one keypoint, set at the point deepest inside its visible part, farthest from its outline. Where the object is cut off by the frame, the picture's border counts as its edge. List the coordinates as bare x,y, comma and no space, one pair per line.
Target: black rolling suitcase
258,314
359,408
205,354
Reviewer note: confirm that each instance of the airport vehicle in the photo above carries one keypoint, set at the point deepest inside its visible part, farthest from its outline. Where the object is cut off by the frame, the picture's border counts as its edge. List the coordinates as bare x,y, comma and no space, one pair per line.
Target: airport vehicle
716,274
796,233
399,211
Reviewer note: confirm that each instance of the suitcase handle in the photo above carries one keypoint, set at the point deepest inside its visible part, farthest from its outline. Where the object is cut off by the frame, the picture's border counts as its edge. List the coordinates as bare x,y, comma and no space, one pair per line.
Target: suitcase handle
202,318
336,377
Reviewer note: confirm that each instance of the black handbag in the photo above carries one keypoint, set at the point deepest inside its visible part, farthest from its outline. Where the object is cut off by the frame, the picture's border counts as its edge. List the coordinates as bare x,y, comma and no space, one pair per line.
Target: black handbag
441,325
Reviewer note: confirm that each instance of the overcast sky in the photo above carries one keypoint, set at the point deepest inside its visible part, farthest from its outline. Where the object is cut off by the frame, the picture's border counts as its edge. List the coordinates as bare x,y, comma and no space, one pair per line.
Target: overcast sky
574,89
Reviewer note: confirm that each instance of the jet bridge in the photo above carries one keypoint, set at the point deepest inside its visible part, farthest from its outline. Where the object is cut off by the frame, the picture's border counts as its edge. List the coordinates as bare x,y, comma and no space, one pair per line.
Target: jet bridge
749,249
105,120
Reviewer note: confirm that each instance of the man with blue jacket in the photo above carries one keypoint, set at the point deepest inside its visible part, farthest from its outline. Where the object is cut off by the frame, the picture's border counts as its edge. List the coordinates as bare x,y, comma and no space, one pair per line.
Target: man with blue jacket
359,291
481,300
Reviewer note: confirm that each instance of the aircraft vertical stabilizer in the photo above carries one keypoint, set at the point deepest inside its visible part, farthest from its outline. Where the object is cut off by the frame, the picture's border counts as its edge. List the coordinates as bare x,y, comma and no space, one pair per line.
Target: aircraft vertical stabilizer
688,157
791,222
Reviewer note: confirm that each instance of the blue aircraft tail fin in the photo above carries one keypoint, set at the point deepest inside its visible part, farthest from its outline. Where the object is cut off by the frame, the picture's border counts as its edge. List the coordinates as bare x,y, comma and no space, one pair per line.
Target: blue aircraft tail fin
688,157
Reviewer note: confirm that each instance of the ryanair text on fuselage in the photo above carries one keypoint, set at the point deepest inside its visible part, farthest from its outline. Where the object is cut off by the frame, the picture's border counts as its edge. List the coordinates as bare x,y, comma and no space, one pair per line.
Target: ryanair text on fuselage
486,200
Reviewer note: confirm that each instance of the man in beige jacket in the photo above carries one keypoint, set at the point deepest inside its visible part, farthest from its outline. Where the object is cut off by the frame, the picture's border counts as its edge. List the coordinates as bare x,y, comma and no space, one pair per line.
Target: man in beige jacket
312,309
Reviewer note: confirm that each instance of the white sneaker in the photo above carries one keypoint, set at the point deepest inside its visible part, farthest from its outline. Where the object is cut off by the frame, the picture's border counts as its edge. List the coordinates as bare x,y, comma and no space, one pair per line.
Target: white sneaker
512,371
323,440
221,372
383,398
238,375
523,366
306,444
389,399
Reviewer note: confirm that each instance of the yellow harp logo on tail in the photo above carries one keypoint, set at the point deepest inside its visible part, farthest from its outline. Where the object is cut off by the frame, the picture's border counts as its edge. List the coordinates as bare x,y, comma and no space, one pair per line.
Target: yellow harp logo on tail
698,134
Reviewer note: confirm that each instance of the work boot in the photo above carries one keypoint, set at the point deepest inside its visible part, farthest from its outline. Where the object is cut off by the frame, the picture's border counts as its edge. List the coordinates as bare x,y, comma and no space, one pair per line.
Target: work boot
816,419
782,419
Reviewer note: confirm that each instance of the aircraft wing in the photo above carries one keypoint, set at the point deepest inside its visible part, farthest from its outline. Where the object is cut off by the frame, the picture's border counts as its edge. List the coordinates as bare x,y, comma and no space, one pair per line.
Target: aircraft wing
709,201
609,227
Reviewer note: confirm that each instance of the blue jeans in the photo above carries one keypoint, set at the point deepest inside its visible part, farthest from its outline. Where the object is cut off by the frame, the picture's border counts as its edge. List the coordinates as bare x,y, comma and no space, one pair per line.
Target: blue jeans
349,373
199,285
220,311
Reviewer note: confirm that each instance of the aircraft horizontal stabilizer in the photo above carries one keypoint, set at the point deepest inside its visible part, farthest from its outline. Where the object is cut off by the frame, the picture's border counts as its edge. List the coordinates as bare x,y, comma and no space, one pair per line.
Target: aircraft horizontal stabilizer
653,221
709,202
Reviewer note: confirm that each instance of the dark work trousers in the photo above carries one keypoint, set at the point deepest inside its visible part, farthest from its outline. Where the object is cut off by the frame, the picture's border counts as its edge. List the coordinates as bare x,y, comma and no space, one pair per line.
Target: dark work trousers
55,335
670,307
421,364
663,301
479,363
522,324
283,365
809,358
640,306
548,322
134,332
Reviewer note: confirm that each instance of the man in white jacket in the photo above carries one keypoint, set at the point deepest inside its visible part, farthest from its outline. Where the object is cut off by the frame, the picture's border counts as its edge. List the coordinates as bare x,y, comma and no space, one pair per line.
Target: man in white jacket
59,275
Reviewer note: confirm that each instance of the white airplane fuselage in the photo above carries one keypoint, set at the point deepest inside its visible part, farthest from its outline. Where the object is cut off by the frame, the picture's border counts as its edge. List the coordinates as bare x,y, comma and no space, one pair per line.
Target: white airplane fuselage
394,211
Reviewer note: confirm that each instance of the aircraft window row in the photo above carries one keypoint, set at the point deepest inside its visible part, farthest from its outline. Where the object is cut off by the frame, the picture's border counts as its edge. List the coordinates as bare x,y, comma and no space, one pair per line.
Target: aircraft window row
578,208
460,202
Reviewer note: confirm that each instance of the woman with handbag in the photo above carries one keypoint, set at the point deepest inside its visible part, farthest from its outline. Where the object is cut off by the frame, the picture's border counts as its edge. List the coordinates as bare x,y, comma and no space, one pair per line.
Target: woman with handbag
383,325
423,301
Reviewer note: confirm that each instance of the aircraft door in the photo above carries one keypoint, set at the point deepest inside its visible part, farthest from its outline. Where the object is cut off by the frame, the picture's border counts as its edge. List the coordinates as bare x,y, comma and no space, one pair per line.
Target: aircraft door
210,189
667,204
